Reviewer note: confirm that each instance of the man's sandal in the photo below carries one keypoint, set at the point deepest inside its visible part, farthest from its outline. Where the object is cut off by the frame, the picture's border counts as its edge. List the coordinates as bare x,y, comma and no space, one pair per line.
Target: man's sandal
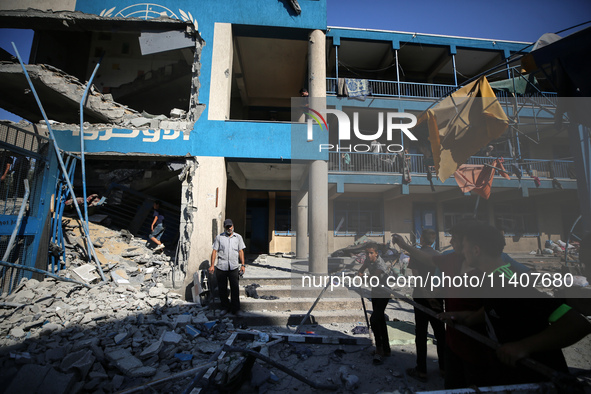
416,374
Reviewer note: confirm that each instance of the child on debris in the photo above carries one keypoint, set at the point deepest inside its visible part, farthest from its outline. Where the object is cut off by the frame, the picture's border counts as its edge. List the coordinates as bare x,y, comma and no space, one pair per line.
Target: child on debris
379,301
157,227
424,297
523,325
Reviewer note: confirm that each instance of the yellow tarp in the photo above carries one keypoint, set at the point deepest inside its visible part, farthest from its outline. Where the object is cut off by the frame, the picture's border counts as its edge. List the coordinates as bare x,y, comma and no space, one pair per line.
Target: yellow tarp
463,123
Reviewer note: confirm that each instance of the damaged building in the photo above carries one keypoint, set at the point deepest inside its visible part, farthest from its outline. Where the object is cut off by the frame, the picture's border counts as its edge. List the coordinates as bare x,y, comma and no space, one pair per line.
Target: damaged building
193,106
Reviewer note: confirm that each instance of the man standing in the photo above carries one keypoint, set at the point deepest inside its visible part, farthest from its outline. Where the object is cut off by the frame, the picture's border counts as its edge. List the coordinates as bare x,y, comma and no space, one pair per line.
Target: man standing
229,248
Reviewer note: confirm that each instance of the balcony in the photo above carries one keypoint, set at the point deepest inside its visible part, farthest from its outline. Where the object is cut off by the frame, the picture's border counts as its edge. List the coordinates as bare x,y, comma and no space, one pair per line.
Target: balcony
435,91
380,163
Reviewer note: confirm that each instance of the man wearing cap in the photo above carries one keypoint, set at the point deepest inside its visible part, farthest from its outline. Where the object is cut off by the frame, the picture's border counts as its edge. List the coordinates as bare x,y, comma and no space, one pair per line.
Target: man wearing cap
229,248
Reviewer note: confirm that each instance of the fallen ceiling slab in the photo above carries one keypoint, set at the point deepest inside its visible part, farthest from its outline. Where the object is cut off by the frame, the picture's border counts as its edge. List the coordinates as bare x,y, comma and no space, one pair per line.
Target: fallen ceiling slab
60,95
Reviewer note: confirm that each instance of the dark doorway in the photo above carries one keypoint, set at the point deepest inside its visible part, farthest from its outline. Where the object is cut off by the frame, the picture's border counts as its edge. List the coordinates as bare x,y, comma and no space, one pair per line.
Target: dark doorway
257,226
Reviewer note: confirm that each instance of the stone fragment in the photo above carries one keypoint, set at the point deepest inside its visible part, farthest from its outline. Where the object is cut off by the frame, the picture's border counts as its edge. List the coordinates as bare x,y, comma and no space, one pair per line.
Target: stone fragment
17,332
182,320
171,337
28,379
48,328
128,364
57,383
87,273
81,361
55,354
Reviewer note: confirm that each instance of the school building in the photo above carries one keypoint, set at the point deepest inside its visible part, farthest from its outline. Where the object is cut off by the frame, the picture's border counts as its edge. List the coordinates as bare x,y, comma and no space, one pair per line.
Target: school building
198,104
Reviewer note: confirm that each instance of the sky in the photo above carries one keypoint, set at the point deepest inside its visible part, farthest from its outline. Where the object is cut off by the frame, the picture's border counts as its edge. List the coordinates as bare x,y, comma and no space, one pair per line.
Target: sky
512,20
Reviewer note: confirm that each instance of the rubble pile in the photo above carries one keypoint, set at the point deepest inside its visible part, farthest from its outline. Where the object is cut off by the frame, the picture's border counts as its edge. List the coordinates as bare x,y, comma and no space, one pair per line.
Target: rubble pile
124,259
66,337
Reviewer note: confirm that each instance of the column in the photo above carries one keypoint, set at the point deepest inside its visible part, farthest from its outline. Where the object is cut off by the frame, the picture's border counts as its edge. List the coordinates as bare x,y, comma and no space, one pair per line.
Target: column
302,225
318,203
318,181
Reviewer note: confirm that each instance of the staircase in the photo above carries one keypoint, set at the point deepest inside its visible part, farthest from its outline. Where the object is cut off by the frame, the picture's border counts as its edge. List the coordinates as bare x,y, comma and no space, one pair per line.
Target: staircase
274,275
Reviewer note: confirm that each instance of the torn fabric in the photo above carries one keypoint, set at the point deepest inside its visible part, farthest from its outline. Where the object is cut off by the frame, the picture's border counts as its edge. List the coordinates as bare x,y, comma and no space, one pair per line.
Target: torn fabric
478,178
462,124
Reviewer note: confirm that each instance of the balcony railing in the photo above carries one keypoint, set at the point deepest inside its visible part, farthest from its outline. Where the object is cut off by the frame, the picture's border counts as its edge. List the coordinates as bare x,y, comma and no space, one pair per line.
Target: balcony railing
367,162
435,91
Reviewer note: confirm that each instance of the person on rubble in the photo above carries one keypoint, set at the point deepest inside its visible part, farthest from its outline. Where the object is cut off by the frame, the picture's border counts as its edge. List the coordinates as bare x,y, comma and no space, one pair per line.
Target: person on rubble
523,321
425,298
228,249
157,227
376,267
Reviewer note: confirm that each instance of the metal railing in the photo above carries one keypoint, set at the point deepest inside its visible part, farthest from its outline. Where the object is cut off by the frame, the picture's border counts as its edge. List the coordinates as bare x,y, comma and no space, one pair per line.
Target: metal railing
369,162
434,91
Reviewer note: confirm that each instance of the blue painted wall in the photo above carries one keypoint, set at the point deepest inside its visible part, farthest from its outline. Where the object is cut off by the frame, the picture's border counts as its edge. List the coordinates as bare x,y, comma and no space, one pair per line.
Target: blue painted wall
209,138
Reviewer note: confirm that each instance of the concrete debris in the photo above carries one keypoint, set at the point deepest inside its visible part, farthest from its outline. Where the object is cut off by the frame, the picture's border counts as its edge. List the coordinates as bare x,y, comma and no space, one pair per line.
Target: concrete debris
64,337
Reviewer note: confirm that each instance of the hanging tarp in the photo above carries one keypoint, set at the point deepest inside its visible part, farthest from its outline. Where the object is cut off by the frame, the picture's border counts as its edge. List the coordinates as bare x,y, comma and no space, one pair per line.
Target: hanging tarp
520,85
463,123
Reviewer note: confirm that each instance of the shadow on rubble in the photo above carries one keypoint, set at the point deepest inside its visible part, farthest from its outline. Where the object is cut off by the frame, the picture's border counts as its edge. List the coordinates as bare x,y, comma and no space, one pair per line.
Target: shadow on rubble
61,337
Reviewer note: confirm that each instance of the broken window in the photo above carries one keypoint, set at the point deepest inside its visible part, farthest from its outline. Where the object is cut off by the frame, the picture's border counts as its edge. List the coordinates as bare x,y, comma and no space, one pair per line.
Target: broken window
145,65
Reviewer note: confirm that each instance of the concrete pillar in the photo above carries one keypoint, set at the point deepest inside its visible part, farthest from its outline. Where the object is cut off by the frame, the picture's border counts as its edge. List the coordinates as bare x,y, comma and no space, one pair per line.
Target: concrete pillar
302,225
317,64
318,203
318,184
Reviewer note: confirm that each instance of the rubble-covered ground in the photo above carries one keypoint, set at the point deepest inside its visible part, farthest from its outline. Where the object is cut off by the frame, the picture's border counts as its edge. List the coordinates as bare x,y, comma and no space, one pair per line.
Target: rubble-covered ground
60,337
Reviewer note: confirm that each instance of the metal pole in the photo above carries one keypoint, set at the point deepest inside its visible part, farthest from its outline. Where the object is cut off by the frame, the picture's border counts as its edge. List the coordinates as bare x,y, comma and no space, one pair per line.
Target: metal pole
61,162
21,213
453,59
397,72
37,270
336,51
82,142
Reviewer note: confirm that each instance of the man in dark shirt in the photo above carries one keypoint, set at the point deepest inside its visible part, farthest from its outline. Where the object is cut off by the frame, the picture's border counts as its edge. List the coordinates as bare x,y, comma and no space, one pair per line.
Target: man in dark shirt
524,326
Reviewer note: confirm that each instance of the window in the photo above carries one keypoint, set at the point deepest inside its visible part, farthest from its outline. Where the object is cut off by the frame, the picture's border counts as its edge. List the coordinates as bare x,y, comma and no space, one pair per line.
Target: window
283,216
517,218
358,218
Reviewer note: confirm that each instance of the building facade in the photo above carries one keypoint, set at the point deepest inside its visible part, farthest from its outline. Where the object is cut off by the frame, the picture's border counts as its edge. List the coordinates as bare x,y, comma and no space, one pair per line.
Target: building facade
198,104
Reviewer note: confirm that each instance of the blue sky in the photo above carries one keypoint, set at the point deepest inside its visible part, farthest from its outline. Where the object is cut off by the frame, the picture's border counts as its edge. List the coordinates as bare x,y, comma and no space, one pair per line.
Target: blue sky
502,19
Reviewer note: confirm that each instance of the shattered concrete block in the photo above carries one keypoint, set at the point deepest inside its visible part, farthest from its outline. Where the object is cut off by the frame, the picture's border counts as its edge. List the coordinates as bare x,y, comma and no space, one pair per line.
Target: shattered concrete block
171,337
192,331
57,383
28,379
55,354
120,337
117,381
177,113
17,332
23,296
120,277
81,361
86,273
182,320
151,350
48,328
200,318
139,122
128,364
